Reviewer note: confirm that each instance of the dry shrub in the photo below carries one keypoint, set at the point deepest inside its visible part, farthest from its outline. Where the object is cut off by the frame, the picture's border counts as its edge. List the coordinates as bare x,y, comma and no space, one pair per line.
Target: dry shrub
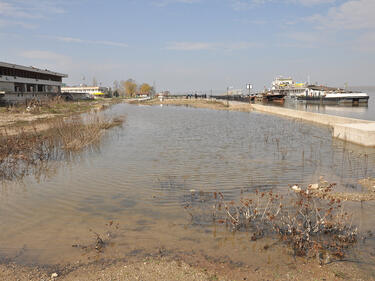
311,227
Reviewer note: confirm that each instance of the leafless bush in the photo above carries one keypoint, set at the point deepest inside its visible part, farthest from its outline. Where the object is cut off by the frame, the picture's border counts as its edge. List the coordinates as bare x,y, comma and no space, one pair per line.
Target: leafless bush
311,227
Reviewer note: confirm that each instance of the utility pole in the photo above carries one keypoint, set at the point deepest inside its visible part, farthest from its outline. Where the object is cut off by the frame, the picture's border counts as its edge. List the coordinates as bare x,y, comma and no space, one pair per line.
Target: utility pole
227,96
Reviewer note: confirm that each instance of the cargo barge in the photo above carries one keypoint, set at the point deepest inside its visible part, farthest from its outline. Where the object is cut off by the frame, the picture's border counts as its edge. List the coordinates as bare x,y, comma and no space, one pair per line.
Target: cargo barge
328,95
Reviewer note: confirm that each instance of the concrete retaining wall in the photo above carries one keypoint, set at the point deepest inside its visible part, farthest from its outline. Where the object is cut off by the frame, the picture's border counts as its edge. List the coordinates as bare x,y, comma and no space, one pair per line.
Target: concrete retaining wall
324,119
357,131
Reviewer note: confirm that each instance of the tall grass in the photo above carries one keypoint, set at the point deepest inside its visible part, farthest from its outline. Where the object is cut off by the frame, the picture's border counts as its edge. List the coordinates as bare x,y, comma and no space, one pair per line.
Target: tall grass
23,153
52,106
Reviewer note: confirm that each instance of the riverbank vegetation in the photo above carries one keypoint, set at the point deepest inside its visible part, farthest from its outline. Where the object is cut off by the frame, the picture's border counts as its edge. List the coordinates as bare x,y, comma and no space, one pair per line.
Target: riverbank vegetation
33,112
313,227
28,151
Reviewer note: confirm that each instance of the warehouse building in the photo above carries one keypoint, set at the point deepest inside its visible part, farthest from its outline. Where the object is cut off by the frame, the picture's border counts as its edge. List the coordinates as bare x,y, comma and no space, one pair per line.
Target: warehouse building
21,83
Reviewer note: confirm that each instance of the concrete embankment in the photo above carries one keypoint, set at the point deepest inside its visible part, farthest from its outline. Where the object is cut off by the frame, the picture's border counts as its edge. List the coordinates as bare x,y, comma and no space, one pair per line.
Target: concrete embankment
357,131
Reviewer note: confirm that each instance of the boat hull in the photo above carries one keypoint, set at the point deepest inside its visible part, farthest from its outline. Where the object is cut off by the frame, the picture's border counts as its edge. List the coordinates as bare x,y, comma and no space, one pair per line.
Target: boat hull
334,100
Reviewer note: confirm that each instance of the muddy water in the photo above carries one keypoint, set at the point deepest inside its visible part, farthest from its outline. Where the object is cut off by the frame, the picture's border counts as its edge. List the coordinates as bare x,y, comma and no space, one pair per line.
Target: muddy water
143,175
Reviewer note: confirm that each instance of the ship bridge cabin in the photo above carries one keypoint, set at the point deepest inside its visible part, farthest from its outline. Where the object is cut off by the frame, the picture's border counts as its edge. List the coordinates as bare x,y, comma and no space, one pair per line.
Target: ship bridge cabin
21,83
287,87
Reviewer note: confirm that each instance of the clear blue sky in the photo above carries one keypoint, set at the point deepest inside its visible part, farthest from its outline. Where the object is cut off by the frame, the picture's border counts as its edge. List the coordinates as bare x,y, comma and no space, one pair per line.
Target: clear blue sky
193,44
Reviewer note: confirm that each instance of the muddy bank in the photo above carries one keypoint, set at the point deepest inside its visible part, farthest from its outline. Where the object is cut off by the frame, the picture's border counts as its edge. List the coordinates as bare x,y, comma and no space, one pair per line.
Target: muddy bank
180,266
197,103
160,269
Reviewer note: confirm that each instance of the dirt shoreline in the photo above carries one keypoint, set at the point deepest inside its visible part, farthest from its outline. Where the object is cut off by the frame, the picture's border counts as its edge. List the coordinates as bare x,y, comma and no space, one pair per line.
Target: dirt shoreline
180,266
198,103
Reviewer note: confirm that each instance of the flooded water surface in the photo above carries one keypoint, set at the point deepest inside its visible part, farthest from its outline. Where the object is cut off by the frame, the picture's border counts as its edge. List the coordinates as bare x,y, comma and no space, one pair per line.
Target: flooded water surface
132,191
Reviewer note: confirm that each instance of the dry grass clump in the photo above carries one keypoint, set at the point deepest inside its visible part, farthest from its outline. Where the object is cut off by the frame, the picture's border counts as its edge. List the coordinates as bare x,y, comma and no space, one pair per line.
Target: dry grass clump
23,153
324,190
369,184
56,105
20,153
76,134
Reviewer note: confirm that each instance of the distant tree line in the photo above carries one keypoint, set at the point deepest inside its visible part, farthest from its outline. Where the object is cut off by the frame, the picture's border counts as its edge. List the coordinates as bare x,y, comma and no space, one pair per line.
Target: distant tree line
130,89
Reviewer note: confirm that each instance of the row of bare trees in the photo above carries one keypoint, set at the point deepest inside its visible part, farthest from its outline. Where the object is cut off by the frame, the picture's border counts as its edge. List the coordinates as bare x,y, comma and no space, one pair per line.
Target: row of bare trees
130,88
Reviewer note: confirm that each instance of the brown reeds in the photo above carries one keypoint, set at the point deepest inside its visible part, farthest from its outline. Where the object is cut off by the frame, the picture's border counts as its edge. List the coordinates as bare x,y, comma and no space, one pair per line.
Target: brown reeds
53,106
76,134
27,151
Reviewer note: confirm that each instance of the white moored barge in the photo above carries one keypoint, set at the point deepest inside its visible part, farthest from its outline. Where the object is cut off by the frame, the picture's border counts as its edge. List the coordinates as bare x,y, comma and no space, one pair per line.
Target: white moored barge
328,95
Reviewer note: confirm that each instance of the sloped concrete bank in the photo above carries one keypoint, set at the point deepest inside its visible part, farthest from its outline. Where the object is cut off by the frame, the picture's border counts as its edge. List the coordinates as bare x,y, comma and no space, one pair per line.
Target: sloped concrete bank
357,131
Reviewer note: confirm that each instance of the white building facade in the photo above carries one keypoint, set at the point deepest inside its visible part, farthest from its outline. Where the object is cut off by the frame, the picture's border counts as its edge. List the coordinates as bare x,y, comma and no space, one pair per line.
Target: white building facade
88,91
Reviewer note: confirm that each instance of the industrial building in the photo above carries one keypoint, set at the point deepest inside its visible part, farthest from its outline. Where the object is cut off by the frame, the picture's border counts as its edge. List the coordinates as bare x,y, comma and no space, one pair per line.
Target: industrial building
22,83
